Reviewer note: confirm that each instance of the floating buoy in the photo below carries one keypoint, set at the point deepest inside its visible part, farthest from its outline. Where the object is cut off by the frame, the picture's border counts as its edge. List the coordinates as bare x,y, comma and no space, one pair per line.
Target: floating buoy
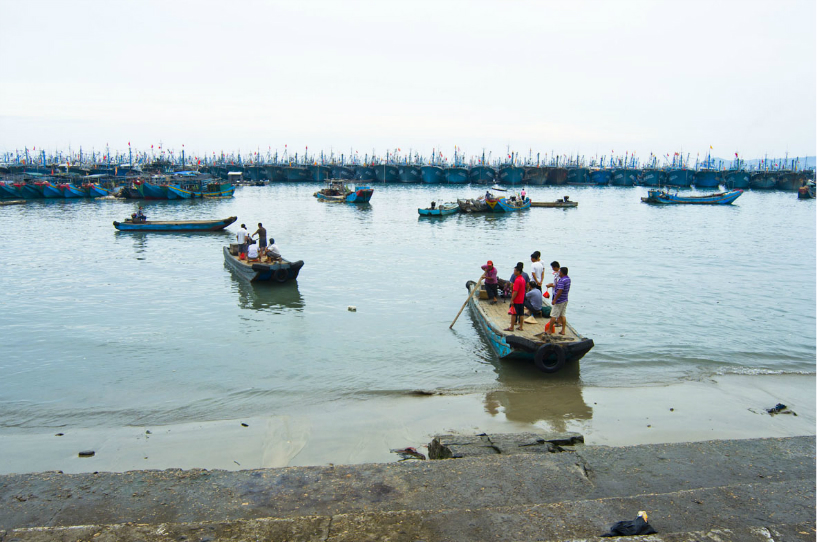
351,308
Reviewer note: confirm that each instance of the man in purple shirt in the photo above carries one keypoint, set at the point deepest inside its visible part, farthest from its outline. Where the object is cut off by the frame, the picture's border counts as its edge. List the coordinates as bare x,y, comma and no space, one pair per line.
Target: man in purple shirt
561,289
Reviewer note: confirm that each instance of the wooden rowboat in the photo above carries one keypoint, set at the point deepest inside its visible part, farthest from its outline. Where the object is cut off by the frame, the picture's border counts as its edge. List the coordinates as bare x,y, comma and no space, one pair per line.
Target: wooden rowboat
559,204
440,210
262,271
549,352
174,225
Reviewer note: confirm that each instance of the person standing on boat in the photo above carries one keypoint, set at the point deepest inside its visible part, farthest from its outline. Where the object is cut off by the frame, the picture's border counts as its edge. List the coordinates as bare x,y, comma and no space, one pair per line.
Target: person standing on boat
241,238
560,302
524,195
491,282
518,298
262,237
556,275
537,270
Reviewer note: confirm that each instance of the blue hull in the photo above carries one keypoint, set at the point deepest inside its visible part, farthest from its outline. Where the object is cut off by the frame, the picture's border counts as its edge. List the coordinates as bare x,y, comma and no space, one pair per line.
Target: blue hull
387,173
503,206
456,175
320,173
512,175
578,176
624,177
665,198
30,192
707,179
482,175
409,174
275,174
71,191
601,177
365,173
297,174
680,177
432,174
345,173
51,191
736,179
8,190
362,194
440,211
98,192
654,177
154,191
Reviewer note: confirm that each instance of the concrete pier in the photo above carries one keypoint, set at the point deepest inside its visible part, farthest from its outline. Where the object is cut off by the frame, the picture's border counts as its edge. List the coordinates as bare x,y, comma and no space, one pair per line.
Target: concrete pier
494,487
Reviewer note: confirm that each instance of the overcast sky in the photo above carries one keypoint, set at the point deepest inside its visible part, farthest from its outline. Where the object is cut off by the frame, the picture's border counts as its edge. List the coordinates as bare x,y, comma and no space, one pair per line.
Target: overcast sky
567,76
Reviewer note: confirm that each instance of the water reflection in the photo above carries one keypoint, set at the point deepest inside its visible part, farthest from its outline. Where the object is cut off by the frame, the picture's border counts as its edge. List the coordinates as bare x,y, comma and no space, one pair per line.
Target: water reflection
275,298
530,396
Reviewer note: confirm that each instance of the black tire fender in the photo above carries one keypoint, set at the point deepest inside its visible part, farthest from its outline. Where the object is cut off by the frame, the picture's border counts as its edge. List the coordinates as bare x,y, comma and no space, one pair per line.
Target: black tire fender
281,275
549,358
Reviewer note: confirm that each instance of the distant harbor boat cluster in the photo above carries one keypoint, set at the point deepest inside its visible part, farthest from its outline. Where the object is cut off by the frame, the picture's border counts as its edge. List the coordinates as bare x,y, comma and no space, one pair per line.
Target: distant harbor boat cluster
139,175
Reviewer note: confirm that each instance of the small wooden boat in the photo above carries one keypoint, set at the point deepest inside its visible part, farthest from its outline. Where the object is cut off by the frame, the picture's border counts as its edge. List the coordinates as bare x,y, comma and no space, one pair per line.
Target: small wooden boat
558,204
473,205
440,210
262,271
663,198
508,205
174,225
549,352
339,192
13,202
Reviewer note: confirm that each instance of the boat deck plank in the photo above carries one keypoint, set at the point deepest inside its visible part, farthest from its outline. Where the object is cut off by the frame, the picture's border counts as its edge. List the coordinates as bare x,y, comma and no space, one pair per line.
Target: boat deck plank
498,315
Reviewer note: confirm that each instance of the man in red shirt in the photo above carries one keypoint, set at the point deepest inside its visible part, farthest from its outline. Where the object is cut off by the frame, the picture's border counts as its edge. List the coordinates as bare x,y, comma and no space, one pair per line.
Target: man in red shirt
518,297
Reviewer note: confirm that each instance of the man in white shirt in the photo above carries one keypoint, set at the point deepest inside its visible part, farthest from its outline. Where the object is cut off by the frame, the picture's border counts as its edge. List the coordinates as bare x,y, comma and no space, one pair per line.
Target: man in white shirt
252,252
537,269
272,251
555,266
241,238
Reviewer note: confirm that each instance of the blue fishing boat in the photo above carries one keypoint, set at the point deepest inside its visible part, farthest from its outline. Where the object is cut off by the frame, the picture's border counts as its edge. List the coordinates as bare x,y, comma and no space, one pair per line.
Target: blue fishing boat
216,190
654,177
442,209
680,177
365,173
70,191
601,177
97,191
432,174
153,191
29,191
387,173
8,190
173,225
624,177
339,192
510,174
507,205
48,190
409,173
320,173
346,173
456,175
280,270
296,173
763,180
663,197
578,176
482,174
550,353
707,178
736,178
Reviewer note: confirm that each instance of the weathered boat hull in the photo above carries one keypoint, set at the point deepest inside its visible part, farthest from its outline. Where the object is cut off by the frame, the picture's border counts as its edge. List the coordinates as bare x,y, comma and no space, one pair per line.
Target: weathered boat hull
344,173
387,173
680,177
297,174
96,191
70,191
473,205
482,175
409,174
600,177
789,181
736,179
624,177
456,175
578,176
707,179
510,345
281,271
665,198
153,191
654,177
365,173
763,180
320,173
557,176
512,175
432,174
535,175
175,225
441,210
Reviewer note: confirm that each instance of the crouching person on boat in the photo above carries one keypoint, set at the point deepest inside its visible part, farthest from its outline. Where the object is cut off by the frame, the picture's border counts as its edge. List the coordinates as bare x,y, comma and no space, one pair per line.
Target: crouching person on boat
139,217
252,253
533,300
272,252
557,314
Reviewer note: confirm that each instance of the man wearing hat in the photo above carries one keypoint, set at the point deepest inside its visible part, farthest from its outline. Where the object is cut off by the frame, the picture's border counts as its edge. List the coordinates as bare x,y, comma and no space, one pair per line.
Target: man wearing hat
490,281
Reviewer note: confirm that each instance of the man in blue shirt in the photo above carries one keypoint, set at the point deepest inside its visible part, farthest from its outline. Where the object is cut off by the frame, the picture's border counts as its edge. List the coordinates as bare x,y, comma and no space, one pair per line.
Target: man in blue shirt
562,287
533,300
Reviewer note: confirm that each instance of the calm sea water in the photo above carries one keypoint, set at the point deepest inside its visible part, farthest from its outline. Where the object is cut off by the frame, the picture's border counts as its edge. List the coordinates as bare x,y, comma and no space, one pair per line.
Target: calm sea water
101,328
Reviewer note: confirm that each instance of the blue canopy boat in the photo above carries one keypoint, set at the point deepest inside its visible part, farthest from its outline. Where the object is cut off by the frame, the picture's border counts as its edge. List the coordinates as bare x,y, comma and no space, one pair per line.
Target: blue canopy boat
174,225
262,271
549,352
339,192
440,210
721,198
